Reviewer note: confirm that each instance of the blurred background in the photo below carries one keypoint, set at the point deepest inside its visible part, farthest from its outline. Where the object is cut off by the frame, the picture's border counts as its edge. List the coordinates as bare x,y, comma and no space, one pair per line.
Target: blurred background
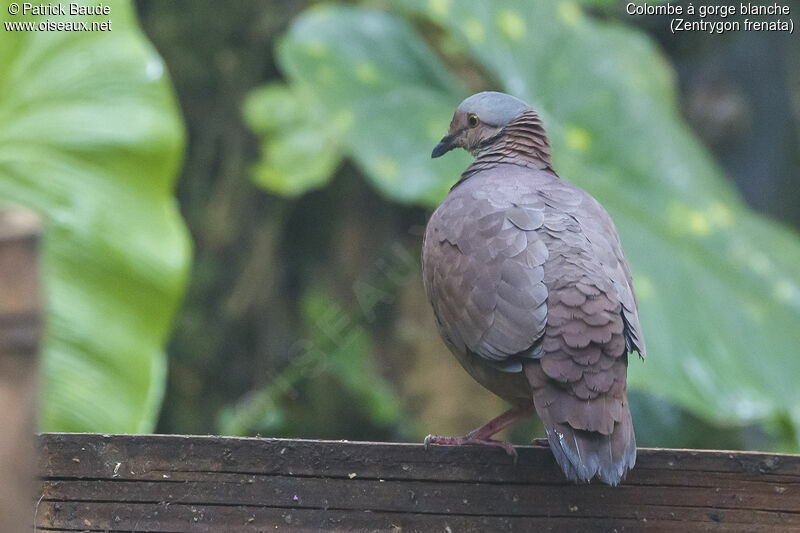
306,184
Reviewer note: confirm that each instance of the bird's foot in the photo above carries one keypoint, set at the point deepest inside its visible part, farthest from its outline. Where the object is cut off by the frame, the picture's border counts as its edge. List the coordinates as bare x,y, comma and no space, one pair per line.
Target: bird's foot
483,435
538,441
471,439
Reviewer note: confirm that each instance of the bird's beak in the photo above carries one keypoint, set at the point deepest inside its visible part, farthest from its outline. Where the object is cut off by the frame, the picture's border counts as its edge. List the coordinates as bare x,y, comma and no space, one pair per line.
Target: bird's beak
445,145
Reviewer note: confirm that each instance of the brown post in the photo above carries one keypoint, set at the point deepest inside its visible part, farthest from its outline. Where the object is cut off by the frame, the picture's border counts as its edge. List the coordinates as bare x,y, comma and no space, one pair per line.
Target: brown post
19,343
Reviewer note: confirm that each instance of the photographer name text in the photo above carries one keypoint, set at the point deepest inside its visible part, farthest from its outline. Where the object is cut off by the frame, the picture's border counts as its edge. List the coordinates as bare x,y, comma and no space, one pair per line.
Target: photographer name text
66,15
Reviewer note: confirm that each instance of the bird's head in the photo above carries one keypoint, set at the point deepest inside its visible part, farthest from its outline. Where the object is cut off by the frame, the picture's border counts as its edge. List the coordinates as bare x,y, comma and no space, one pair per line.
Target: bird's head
479,121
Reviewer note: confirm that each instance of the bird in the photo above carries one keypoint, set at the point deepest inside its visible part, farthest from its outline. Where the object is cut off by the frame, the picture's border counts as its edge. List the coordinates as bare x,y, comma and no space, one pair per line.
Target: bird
532,293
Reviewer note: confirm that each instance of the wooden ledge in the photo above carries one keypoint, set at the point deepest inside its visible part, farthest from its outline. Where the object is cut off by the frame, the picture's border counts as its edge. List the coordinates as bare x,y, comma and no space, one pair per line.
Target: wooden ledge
170,483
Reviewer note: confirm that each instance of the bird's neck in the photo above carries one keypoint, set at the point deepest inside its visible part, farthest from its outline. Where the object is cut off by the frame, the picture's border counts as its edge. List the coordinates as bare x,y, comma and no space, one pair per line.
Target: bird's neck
522,142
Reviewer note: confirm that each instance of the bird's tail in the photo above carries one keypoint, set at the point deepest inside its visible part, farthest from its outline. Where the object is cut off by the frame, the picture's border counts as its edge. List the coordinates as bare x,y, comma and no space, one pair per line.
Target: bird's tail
603,444
583,454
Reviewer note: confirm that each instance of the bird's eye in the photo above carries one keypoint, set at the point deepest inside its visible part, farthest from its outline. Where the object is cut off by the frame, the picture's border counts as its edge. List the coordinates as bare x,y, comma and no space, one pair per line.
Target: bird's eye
473,120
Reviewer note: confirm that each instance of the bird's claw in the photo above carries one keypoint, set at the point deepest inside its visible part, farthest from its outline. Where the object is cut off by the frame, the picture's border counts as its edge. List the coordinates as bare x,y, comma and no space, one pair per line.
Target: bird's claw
510,450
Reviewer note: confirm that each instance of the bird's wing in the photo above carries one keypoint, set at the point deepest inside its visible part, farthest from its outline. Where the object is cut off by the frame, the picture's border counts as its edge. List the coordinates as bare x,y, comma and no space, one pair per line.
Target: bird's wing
579,386
483,264
619,271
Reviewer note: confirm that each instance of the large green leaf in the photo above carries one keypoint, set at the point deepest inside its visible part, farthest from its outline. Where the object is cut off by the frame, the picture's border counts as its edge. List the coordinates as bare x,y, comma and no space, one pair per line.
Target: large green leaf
365,78
721,333
91,138
719,286
300,142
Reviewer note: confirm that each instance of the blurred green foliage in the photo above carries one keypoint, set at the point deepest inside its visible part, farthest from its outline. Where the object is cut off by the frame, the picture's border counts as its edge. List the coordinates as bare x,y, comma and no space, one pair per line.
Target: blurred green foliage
276,336
718,285
91,138
336,345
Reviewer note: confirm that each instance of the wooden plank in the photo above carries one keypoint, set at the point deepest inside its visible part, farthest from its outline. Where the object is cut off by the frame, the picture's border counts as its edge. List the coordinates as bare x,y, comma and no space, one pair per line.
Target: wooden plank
182,518
19,340
179,517
179,483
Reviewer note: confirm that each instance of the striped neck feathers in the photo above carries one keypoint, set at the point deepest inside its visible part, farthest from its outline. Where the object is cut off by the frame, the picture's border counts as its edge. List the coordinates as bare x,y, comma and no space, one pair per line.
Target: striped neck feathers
522,142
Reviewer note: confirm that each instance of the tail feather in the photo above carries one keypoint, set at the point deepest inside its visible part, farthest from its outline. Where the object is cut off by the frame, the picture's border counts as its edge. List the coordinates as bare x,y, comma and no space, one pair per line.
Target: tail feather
582,455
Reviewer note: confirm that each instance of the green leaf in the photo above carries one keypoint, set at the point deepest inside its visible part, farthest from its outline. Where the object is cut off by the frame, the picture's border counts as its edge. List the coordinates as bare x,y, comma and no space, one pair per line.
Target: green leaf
300,143
719,331
365,68
718,285
90,137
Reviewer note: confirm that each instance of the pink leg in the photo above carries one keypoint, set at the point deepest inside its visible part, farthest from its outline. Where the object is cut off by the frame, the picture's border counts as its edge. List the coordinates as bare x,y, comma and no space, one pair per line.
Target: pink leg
483,435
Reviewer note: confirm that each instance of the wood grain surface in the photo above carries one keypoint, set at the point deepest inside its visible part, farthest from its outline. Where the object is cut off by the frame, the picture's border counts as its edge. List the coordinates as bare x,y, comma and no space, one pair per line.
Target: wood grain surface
219,484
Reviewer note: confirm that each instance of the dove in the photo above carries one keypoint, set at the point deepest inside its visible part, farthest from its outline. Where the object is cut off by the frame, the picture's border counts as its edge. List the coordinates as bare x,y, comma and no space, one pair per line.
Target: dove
532,293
